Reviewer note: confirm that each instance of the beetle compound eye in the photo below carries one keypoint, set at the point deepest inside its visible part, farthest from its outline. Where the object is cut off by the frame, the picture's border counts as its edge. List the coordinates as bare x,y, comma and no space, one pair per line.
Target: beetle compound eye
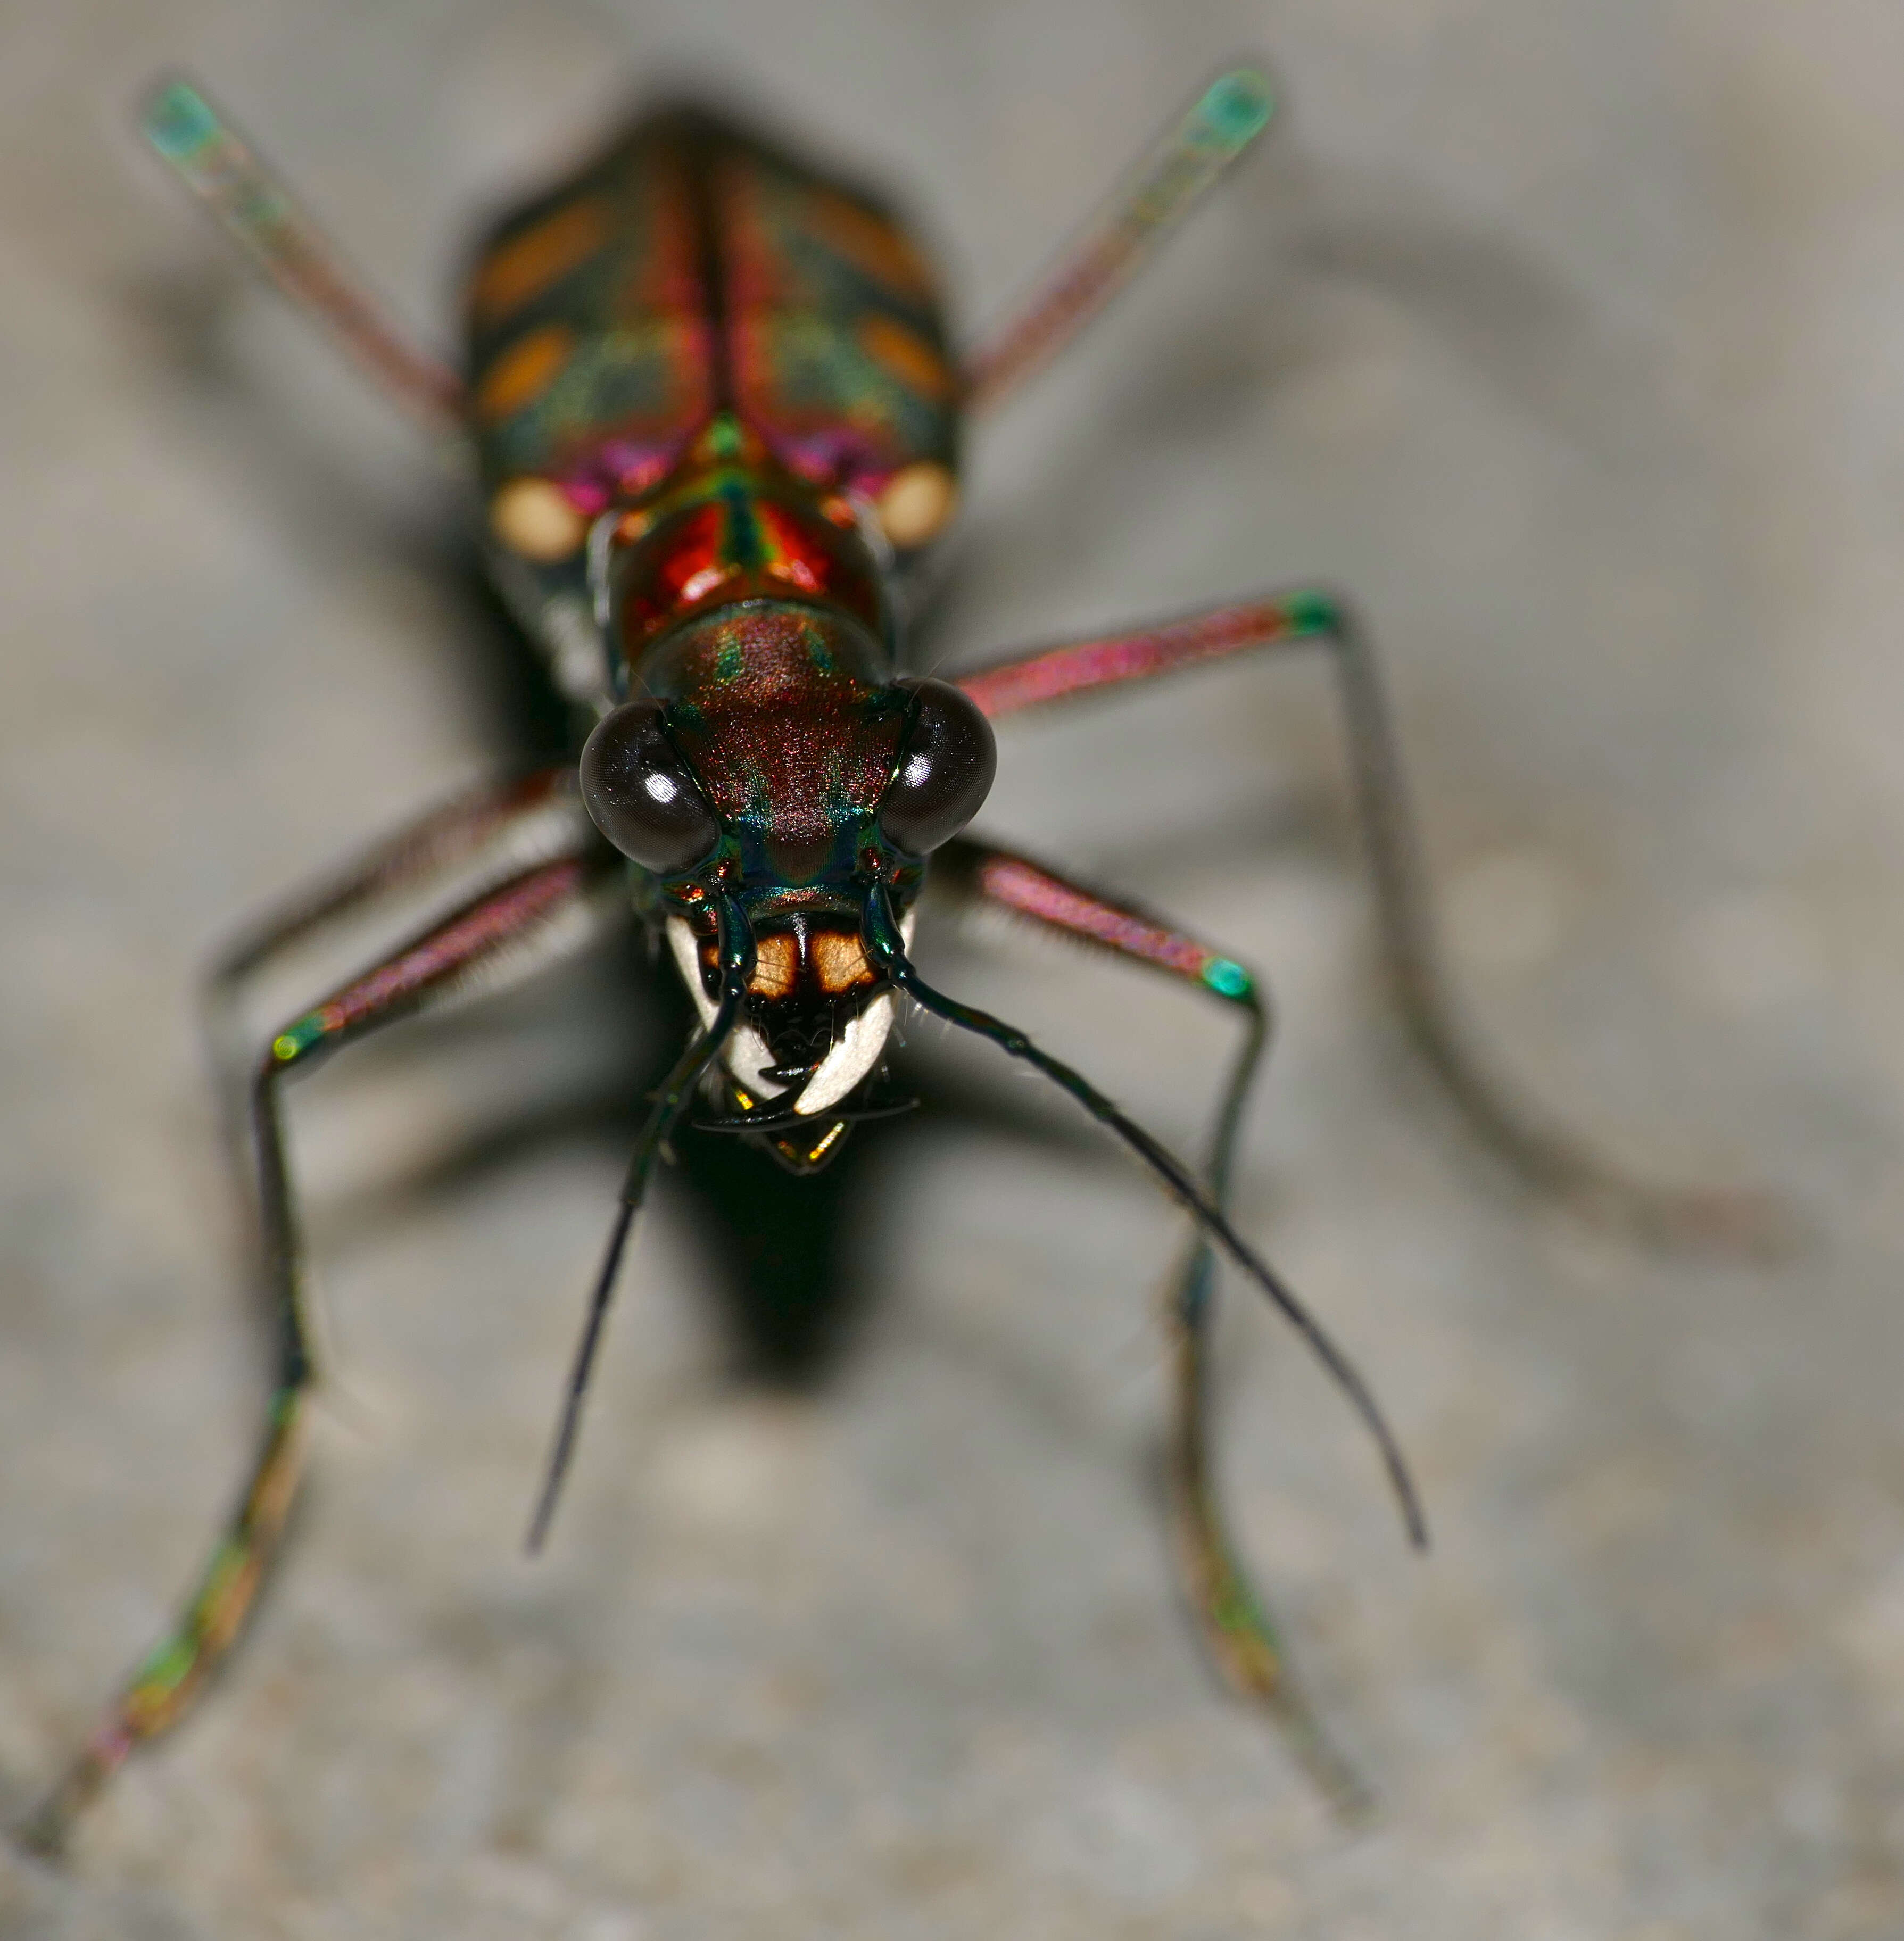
946,762
642,796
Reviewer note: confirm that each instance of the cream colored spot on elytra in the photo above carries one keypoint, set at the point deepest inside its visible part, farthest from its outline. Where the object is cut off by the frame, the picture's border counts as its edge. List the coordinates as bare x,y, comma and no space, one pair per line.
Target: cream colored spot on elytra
917,502
534,518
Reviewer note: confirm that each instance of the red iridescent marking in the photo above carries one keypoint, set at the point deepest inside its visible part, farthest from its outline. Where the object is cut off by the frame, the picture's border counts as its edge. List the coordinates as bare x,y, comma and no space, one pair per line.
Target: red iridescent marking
805,557
1121,657
1021,886
770,228
756,287
656,323
761,548
664,292
690,562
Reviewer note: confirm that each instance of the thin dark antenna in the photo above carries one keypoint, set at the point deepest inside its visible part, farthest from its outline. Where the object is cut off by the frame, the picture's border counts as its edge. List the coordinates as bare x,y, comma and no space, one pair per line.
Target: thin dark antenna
888,949
735,948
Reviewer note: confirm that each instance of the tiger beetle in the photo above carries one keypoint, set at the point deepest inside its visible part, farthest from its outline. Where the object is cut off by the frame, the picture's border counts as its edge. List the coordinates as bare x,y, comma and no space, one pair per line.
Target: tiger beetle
716,424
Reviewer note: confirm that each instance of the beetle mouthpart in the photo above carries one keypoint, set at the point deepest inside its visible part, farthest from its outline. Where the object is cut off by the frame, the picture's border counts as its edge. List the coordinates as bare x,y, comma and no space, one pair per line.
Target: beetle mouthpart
853,1055
747,1055
857,1052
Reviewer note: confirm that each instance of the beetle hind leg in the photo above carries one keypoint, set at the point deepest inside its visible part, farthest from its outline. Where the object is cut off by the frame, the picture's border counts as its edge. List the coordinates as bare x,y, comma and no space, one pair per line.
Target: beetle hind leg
1236,1628
162,1689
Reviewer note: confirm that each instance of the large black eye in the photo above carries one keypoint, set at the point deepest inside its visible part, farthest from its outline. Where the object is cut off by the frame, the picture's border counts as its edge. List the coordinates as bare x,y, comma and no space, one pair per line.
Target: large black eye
946,762
642,795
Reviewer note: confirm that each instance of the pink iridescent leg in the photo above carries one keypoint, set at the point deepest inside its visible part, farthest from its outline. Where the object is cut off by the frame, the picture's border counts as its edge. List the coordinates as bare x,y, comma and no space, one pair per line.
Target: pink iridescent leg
259,213
1171,179
1732,1221
504,935
537,815
1235,1624
496,829
475,839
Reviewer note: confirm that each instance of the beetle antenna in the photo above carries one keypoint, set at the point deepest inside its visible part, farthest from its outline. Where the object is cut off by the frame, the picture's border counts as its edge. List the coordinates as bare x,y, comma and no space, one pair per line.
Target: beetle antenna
736,949
888,950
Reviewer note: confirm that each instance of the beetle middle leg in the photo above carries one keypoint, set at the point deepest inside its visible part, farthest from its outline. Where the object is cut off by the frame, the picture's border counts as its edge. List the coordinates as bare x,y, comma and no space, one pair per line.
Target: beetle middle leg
502,936
1548,1158
1235,1624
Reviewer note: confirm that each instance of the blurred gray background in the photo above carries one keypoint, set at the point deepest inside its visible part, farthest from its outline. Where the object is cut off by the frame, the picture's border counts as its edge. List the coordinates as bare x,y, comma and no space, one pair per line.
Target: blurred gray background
1569,334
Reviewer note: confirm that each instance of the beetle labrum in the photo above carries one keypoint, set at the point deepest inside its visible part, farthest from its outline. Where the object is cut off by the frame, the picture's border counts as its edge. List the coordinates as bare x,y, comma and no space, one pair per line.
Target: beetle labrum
717,421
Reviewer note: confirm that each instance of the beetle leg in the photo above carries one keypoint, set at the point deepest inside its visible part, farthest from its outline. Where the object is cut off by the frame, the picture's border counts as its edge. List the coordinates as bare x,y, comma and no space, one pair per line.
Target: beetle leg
1186,161
1241,1636
249,202
1734,1221
498,939
503,826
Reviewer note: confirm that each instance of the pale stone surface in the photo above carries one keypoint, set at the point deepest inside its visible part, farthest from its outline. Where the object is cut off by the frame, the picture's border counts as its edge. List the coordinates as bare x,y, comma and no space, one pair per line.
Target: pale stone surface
1567,335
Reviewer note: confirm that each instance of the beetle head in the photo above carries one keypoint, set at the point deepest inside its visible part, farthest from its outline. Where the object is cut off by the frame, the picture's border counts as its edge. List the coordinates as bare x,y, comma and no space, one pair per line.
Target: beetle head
772,758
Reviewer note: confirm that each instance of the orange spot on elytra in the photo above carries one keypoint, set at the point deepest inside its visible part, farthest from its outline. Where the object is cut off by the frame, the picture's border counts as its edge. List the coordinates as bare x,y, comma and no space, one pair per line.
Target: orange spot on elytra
905,354
515,272
873,243
524,372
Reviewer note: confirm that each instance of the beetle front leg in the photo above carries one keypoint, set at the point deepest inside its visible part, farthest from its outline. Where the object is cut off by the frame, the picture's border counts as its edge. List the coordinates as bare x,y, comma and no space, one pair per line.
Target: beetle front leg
1236,1623
502,937
1730,1220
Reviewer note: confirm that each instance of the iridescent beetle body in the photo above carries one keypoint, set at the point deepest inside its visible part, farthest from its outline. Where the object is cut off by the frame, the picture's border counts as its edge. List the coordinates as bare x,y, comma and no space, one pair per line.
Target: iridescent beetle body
698,375
690,270
714,414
